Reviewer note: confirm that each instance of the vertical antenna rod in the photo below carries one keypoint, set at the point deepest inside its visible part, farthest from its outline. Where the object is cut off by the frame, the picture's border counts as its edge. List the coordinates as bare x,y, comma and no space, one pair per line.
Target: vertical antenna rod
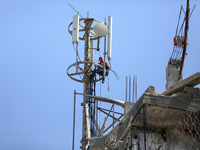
104,67
133,95
136,89
129,88
126,88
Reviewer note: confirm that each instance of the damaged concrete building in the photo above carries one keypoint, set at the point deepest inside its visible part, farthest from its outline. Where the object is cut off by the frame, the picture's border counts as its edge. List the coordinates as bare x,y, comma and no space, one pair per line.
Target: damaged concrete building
158,121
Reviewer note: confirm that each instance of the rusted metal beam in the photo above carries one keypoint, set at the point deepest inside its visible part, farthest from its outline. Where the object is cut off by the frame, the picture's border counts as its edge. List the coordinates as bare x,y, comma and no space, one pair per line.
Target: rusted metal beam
186,37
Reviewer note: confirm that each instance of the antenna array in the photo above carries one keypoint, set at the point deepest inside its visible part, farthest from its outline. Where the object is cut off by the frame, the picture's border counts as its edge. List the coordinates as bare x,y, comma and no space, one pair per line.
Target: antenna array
85,71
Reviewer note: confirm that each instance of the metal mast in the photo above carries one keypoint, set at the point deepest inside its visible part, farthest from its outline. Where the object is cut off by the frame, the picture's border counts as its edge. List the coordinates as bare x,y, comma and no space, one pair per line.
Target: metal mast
186,36
83,71
87,57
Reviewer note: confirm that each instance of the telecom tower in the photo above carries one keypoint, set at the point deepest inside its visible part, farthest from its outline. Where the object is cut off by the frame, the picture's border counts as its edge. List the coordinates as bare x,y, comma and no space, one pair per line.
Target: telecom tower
89,30
168,120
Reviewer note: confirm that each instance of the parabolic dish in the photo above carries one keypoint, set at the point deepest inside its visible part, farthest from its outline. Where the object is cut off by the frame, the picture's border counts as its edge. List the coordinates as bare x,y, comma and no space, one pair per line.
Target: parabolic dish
100,29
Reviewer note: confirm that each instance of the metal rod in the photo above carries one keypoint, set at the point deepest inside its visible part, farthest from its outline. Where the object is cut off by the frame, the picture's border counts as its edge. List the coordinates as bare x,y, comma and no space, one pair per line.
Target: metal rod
132,128
74,9
112,124
109,110
84,30
136,90
98,43
180,30
186,37
104,99
133,96
129,88
192,10
96,124
178,20
104,68
113,115
74,119
96,102
108,114
76,57
126,88
103,126
78,73
144,123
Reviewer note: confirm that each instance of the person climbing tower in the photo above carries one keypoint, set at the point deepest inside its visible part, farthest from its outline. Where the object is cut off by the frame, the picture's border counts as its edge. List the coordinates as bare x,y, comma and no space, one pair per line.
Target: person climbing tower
100,69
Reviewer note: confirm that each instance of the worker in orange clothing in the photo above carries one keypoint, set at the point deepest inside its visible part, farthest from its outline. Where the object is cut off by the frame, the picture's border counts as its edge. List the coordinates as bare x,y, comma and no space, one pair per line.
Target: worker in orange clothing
100,69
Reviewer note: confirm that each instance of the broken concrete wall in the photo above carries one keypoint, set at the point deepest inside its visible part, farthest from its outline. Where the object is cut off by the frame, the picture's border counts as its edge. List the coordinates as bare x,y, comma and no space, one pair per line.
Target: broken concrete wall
167,122
172,74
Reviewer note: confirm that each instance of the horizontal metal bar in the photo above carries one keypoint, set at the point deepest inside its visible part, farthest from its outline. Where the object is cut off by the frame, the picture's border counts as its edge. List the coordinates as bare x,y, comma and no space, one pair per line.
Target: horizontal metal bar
72,74
108,100
81,30
84,28
105,99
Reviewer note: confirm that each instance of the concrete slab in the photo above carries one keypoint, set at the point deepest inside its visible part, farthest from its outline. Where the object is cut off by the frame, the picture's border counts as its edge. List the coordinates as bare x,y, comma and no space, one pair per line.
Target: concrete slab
179,87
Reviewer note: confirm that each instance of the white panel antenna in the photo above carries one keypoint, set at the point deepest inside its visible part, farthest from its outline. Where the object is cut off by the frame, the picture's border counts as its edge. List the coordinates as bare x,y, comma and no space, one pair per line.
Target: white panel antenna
109,37
75,30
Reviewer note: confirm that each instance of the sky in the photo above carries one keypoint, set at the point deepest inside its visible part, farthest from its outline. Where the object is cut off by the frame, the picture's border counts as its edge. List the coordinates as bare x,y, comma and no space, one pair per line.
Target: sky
36,95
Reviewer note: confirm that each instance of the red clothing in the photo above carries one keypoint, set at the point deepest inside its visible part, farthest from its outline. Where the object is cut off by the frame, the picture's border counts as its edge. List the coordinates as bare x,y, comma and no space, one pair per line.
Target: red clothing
101,63
175,42
106,64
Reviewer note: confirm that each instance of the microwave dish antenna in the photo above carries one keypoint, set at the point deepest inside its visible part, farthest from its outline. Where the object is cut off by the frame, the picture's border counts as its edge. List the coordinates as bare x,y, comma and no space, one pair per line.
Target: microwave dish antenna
100,29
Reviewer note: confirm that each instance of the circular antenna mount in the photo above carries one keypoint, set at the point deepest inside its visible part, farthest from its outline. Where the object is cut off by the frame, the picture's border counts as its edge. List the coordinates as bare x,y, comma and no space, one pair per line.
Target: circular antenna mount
81,75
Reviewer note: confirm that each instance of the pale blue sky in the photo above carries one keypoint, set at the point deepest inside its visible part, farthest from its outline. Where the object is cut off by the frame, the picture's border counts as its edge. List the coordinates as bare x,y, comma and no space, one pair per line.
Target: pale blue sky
36,95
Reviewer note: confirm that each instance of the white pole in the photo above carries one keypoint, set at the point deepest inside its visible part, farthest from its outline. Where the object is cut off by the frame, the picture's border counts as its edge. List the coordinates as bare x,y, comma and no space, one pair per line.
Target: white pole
109,37
74,119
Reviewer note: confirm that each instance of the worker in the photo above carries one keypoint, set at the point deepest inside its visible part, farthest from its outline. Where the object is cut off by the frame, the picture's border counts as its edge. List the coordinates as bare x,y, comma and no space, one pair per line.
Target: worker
100,69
